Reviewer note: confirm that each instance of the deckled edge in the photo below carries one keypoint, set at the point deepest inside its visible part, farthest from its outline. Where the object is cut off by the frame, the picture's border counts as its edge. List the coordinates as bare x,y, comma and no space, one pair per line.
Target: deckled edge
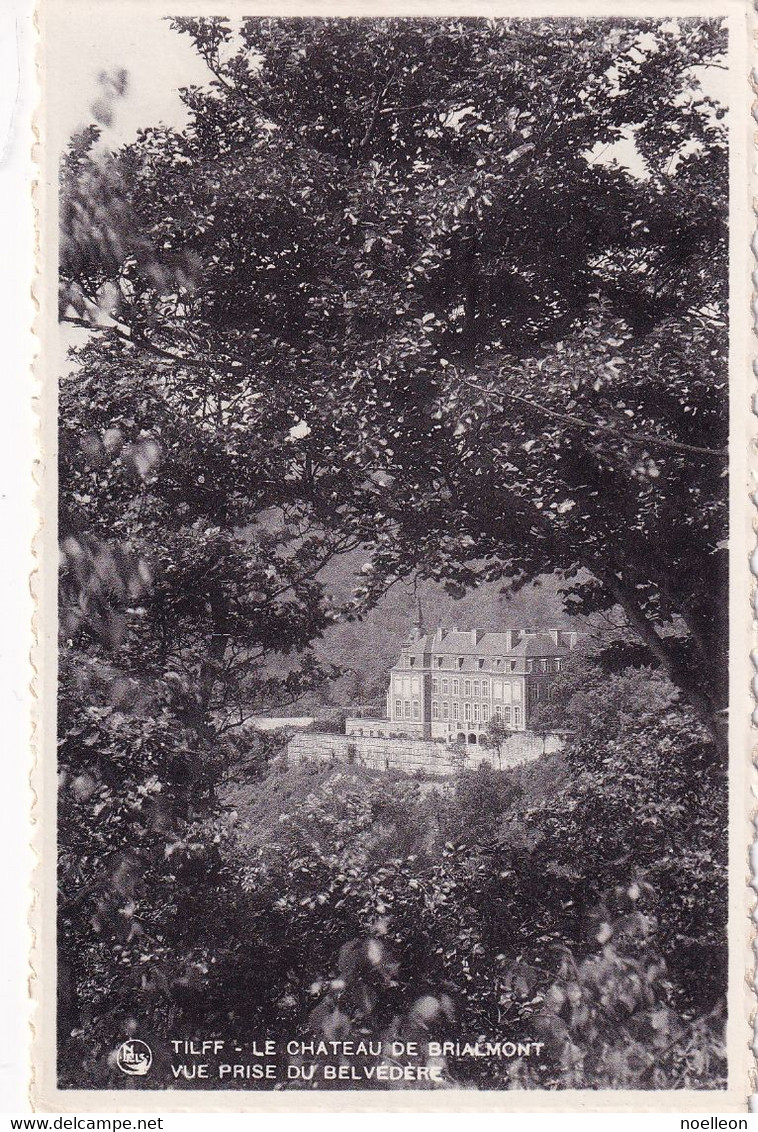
35,1082
751,754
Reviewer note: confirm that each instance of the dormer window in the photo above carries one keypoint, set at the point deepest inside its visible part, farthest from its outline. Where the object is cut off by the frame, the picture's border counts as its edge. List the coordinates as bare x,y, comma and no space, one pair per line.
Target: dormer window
440,660
480,663
460,662
411,660
498,662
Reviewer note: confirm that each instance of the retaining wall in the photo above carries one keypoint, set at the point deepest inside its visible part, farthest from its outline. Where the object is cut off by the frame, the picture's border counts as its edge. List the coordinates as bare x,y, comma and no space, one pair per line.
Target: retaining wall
412,755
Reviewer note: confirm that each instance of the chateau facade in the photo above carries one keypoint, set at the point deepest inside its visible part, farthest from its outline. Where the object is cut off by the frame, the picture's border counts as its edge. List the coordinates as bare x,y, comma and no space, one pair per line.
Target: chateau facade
450,683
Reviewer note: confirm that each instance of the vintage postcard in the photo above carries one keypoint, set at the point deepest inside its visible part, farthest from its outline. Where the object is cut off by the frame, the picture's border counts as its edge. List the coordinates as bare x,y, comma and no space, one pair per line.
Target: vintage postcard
394,632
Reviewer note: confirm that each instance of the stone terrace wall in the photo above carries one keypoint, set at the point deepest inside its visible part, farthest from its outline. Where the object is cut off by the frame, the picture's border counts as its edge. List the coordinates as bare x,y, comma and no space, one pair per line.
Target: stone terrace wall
412,755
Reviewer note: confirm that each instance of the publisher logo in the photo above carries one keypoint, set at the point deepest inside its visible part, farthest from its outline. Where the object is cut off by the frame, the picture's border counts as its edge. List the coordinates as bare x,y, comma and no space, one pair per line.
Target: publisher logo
135,1058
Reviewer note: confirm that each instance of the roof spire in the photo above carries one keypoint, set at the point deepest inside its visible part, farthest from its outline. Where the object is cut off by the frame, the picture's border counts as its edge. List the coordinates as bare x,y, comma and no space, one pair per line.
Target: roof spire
418,622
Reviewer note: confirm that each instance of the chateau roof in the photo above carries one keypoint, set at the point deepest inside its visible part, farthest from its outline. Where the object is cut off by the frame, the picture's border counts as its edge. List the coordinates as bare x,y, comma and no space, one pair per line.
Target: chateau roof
461,643
419,646
539,645
491,644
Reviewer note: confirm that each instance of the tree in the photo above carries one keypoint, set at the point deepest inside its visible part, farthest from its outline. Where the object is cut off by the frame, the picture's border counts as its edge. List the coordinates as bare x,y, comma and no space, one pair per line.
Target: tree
459,751
188,598
495,737
496,353
558,899
640,766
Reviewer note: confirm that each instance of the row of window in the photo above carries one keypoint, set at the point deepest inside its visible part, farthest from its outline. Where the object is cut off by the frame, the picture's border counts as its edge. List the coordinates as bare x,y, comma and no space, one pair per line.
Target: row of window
480,687
471,689
407,709
476,713
497,663
505,715
477,688
448,662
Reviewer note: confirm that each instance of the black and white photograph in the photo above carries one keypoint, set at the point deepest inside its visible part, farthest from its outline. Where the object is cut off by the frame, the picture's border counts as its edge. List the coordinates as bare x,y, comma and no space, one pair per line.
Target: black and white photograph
397,737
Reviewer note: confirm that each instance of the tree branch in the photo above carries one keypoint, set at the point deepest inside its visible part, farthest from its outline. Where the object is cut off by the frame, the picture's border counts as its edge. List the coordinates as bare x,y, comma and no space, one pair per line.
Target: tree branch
641,438
138,341
375,113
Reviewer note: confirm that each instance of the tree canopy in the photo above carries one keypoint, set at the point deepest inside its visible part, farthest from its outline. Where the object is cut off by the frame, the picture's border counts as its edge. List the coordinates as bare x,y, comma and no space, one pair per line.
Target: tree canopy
394,248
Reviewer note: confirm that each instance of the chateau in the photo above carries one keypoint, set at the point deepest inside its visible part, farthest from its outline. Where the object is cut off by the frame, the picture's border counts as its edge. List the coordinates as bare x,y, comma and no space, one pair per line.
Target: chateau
449,683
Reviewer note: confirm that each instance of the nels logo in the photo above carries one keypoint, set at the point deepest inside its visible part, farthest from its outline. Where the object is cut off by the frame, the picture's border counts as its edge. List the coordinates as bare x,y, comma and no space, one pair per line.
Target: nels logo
135,1058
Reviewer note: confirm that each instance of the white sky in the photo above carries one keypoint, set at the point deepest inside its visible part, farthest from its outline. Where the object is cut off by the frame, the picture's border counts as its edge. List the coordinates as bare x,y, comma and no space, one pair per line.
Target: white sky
157,60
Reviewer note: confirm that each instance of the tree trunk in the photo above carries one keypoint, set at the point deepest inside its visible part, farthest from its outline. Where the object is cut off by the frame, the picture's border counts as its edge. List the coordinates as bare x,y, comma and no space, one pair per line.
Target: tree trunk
703,695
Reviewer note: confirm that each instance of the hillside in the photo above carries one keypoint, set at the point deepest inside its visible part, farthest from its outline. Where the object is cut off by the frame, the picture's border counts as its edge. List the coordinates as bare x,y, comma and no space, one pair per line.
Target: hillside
402,812
367,649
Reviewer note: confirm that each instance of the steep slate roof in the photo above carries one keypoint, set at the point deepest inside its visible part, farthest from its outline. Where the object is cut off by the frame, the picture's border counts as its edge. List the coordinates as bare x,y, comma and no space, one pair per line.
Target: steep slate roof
541,645
457,642
419,647
491,644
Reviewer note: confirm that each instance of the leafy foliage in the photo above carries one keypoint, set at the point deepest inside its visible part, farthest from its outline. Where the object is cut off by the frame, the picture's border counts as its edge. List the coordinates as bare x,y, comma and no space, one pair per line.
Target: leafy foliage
540,901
